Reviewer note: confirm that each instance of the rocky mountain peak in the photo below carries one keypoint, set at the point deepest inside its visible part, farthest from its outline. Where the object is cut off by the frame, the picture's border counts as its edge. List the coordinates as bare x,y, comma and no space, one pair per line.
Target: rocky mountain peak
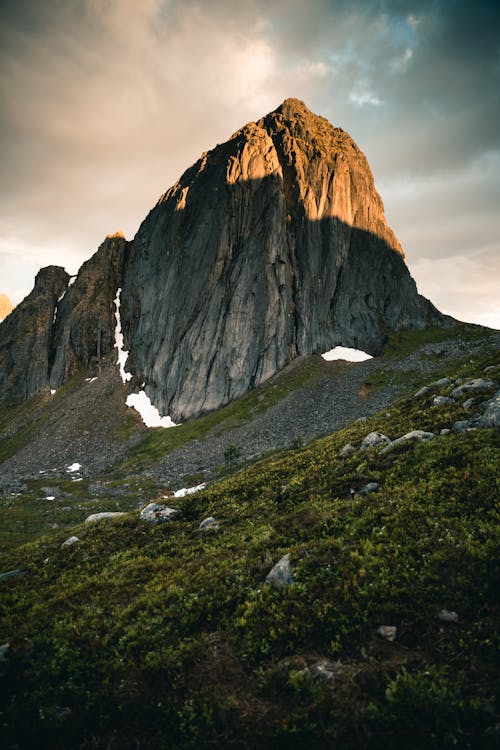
272,246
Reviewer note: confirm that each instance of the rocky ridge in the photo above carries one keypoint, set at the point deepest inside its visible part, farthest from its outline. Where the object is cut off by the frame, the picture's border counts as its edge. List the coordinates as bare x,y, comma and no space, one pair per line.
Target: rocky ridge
272,246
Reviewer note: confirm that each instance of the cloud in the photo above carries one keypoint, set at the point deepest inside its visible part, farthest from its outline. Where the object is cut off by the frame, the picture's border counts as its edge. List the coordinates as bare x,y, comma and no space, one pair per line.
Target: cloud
104,104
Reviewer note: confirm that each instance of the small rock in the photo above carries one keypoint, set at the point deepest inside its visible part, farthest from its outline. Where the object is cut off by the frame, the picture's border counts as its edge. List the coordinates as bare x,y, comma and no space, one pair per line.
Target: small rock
370,487
4,651
359,420
442,401
209,524
158,513
479,384
281,575
10,574
96,517
372,440
324,670
69,542
462,425
388,632
443,382
468,404
347,450
491,416
445,431
447,616
422,392
490,368
409,437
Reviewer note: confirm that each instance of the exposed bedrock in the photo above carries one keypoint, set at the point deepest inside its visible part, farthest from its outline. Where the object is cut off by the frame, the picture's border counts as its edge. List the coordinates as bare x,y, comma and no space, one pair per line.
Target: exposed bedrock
273,245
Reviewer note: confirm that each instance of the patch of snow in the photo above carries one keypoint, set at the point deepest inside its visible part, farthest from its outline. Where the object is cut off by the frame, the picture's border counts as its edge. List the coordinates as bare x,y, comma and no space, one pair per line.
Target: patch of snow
52,391
72,280
90,380
59,299
55,315
343,352
149,413
74,467
79,479
50,497
189,490
122,353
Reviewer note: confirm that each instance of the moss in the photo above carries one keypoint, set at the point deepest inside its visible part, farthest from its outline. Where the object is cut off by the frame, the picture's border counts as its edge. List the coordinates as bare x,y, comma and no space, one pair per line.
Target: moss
158,636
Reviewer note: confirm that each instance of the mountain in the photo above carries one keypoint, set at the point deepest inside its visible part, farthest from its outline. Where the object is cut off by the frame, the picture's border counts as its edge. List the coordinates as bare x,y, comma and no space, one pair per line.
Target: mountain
6,306
272,246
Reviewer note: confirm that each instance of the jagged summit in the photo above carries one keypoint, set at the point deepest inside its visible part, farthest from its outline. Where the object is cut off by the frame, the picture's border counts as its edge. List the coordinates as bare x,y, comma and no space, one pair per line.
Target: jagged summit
273,245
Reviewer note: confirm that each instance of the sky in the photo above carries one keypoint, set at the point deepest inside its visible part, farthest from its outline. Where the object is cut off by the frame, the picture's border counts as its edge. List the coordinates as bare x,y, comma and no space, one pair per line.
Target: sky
104,103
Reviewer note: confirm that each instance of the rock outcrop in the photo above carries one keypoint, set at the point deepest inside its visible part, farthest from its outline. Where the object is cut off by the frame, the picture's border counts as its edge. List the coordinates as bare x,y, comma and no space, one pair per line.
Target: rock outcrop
84,329
61,327
273,245
25,338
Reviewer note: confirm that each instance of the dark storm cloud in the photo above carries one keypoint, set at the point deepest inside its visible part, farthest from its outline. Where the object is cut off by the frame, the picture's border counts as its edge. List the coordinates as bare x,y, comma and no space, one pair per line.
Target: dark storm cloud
103,103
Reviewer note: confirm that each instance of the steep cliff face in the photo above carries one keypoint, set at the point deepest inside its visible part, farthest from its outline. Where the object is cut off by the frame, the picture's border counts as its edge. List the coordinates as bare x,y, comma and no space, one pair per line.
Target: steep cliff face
25,338
61,327
84,329
272,245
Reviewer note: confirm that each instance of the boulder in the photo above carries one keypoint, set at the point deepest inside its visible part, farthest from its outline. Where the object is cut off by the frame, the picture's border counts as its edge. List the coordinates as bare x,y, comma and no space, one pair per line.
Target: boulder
209,524
491,415
442,401
367,489
70,542
478,385
280,576
158,513
104,516
373,440
388,632
347,450
424,391
414,435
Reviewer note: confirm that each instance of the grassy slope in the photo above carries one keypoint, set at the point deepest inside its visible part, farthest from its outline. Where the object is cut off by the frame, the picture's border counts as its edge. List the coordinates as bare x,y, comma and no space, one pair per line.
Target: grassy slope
158,637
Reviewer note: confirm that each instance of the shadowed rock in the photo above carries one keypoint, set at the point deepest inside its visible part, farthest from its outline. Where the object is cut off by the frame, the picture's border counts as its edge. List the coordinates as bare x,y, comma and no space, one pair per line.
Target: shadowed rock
273,245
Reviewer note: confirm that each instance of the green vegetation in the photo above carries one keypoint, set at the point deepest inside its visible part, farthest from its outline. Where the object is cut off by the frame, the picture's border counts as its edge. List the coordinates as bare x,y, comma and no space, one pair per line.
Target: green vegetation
163,636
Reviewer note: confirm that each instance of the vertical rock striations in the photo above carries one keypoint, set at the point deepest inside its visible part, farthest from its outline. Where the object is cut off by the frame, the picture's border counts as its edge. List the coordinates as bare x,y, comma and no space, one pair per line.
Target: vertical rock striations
61,327
84,330
273,245
25,338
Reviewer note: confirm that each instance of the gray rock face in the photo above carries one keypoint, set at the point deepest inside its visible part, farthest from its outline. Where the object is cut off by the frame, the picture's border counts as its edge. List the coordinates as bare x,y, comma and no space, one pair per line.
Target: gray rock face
273,245
84,327
25,338
60,328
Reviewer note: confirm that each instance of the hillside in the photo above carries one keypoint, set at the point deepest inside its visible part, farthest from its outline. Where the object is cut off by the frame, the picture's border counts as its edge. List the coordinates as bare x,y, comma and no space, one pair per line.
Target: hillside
380,629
